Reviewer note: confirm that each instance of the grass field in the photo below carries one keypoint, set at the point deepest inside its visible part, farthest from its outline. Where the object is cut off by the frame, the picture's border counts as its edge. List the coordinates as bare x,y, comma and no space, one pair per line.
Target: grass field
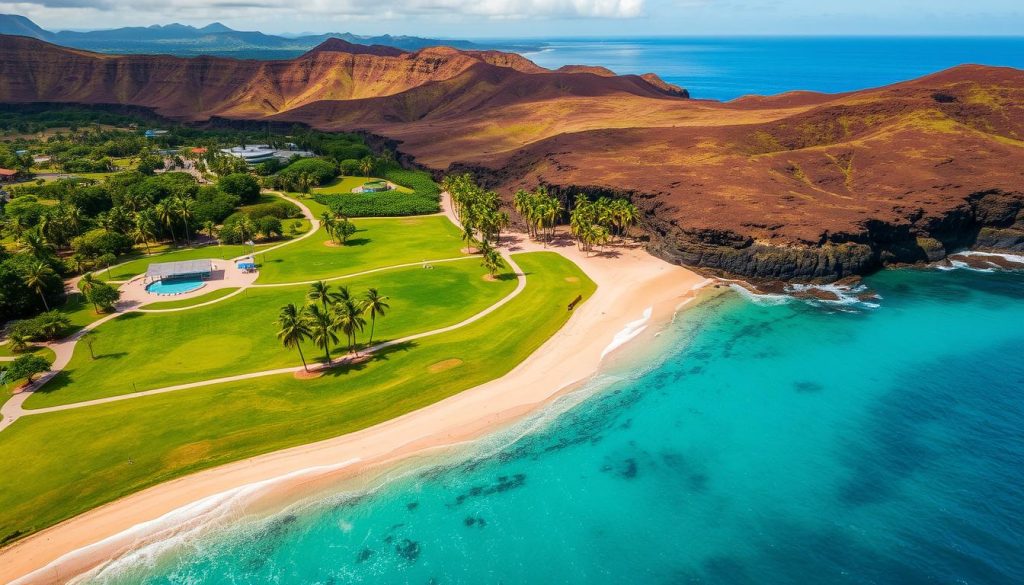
210,296
40,350
378,242
139,351
346,184
79,311
97,454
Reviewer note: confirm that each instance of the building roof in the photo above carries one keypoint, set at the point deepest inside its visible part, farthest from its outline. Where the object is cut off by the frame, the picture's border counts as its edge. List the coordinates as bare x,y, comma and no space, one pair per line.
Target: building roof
199,150
8,172
182,268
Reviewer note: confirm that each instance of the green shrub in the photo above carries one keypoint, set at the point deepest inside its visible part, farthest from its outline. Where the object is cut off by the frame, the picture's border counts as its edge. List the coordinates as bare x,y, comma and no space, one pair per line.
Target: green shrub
241,185
320,170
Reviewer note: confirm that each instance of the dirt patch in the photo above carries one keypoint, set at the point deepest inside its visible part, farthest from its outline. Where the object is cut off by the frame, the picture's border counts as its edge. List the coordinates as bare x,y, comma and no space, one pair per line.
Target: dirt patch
304,375
572,279
469,251
490,278
444,365
332,244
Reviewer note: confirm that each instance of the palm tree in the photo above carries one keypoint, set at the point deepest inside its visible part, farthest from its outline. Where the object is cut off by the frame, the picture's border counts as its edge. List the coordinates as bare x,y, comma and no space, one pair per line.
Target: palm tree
366,166
145,228
165,215
186,211
52,323
36,278
18,341
294,329
323,326
328,222
86,284
350,320
375,304
492,261
320,292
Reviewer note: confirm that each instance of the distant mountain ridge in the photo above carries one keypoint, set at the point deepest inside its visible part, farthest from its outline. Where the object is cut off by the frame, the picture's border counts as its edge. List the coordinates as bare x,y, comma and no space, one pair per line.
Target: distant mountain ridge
214,39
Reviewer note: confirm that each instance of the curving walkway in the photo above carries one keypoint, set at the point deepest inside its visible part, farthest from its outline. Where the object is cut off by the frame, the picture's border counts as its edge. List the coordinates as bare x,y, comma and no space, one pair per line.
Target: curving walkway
14,409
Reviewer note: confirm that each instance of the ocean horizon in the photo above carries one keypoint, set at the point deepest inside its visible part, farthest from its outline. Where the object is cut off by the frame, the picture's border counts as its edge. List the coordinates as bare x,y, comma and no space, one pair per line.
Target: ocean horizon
724,68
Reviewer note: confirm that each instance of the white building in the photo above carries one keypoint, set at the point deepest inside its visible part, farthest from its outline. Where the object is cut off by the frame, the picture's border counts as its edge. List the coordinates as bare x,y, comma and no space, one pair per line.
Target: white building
255,154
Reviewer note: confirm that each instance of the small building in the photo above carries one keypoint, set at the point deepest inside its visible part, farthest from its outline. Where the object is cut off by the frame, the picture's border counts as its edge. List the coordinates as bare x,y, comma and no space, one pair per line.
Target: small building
8,175
199,150
255,154
185,269
155,133
252,154
41,159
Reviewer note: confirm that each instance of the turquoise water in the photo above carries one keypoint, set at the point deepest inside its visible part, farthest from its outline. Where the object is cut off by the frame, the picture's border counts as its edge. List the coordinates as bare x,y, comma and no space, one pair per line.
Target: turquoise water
782,444
728,67
175,287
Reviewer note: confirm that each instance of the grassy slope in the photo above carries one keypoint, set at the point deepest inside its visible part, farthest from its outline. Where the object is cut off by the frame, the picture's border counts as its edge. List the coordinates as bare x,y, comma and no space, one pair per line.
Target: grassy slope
165,436
141,351
210,296
379,242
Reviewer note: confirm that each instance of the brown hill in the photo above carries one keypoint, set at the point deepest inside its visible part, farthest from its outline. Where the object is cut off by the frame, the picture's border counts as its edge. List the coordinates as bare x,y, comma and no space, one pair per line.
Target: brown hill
800,185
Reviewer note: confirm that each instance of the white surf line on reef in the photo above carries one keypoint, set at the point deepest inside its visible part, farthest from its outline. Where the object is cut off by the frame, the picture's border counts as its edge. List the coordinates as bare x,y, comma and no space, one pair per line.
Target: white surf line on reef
147,541
629,332
17,410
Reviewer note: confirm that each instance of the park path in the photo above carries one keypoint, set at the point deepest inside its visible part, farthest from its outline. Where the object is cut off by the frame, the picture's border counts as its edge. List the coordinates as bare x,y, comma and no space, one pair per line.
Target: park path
14,409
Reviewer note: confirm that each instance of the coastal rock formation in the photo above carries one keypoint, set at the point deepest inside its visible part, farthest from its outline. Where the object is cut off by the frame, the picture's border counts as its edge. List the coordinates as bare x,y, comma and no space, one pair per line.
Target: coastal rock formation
801,185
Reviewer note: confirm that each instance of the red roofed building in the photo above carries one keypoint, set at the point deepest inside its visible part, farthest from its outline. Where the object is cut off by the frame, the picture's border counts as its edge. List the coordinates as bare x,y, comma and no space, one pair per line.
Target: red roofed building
199,150
8,175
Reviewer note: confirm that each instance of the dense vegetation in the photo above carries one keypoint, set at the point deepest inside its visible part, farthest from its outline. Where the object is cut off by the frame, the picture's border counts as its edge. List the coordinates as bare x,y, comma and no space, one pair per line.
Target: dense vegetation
423,200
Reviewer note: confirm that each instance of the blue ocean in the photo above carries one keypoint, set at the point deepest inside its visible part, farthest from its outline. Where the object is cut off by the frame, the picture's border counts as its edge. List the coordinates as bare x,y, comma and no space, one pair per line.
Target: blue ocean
758,441
730,67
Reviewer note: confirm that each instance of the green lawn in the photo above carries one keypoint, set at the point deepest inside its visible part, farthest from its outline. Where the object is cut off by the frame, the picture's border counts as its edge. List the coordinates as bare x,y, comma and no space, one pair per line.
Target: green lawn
79,311
346,184
378,242
97,454
210,296
40,350
139,351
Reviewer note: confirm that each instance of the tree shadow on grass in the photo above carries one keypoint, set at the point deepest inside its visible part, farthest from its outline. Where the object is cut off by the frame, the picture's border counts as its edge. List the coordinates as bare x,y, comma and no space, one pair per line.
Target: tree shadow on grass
508,276
357,242
380,355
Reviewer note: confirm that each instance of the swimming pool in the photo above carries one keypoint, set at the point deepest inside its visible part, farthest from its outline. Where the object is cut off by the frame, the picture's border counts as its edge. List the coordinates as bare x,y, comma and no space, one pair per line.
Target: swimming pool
176,286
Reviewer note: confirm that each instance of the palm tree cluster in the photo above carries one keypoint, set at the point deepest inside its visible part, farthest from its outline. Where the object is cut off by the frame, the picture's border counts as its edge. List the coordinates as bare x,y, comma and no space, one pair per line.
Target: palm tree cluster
337,226
478,210
595,222
327,313
540,211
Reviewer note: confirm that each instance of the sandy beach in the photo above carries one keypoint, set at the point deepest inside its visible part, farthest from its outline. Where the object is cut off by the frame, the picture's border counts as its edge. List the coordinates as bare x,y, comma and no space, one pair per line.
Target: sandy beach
636,294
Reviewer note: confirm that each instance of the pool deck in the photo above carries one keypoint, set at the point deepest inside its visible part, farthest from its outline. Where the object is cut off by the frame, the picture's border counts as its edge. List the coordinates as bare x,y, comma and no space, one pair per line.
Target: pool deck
224,275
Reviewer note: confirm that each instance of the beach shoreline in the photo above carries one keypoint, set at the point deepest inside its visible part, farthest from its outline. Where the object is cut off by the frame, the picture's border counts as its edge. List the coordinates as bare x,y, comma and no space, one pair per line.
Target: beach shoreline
637,294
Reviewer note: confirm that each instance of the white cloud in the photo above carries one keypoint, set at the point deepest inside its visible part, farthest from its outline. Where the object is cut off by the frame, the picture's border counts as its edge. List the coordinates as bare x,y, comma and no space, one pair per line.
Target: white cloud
162,11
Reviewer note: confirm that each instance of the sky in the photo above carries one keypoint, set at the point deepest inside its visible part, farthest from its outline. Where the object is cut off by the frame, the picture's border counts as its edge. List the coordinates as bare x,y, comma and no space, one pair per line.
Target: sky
469,19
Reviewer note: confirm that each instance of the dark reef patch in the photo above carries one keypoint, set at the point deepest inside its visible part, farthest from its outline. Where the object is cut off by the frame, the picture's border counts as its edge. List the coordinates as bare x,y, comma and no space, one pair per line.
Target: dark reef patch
807,387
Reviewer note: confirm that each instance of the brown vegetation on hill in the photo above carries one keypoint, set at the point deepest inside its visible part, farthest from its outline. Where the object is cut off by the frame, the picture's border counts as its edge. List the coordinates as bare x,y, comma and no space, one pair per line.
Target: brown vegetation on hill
799,185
